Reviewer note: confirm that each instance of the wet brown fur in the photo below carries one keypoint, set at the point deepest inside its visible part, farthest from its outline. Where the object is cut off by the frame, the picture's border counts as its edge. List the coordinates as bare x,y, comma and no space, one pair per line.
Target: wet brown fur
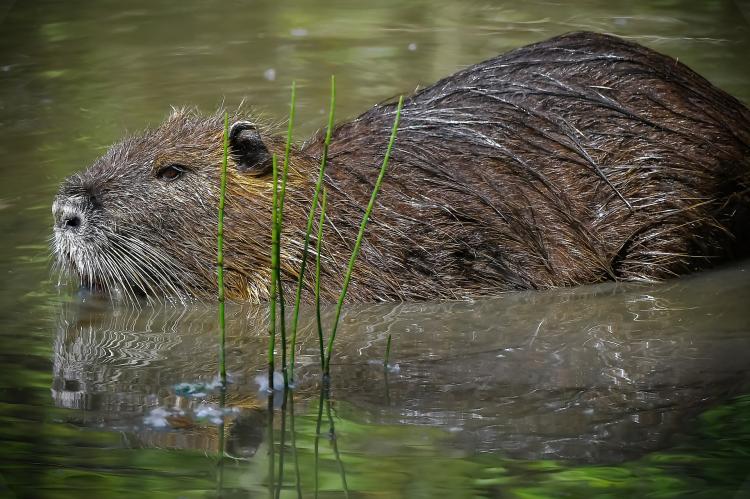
579,159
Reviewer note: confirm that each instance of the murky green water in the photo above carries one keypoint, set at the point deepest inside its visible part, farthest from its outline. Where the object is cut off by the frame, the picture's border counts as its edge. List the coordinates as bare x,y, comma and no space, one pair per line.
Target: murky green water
607,391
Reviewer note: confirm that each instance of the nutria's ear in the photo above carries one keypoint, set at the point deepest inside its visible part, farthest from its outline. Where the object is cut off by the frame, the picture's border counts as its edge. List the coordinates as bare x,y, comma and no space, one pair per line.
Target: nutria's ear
248,149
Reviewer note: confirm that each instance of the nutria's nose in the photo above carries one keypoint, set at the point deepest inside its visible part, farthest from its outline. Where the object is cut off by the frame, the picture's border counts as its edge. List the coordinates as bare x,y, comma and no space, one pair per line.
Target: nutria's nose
71,221
67,216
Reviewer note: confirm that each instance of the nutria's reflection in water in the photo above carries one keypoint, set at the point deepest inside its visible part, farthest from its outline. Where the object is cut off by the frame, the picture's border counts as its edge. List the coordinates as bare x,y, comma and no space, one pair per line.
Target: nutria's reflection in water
595,374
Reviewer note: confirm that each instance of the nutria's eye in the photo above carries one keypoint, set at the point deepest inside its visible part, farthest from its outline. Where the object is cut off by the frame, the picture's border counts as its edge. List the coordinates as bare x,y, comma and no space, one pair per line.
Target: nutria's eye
170,172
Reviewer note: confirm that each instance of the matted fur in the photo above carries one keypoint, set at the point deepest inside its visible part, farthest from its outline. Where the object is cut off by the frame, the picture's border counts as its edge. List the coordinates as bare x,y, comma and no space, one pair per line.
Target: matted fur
576,160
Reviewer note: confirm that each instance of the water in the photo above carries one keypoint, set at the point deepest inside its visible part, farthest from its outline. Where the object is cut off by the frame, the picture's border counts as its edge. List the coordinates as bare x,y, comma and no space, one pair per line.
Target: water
611,391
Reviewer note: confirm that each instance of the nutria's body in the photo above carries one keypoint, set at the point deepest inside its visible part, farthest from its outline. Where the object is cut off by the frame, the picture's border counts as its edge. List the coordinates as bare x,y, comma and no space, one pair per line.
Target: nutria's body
579,159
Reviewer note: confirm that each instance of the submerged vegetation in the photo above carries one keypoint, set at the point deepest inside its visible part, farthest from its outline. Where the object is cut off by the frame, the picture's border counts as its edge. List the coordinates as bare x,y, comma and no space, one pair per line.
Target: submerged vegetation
277,312
308,230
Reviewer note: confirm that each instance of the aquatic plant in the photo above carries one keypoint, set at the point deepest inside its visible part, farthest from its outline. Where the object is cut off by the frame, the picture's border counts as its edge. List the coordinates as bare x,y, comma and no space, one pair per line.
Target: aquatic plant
278,221
318,245
277,217
308,231
275,273
358,243
220,254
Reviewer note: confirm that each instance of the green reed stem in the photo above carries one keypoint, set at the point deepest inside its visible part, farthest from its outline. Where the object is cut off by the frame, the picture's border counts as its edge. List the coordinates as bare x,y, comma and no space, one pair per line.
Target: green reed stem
310,218
279,220
287,148
282,317
221,445
316,444
271,449
318,245
274,269
282,444
335,445
295,457
220,255
358,243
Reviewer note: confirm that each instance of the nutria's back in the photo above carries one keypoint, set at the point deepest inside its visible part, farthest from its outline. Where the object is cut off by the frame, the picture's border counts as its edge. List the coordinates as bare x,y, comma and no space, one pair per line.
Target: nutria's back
579,159
575,160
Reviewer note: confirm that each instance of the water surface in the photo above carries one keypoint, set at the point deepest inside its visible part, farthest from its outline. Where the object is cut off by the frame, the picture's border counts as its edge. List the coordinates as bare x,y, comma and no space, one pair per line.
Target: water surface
609,390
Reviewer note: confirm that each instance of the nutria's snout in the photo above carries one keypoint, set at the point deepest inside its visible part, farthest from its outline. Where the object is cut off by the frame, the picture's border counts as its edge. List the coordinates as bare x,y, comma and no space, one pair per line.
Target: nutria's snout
69,214
75,211
101,234
76,240
67,218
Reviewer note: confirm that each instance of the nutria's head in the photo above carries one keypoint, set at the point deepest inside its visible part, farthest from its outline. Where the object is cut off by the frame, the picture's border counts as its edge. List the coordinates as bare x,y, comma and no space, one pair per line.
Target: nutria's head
141,221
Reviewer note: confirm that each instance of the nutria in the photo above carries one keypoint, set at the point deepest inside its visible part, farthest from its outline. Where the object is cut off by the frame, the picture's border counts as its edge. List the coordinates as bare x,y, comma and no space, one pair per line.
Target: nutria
579,159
